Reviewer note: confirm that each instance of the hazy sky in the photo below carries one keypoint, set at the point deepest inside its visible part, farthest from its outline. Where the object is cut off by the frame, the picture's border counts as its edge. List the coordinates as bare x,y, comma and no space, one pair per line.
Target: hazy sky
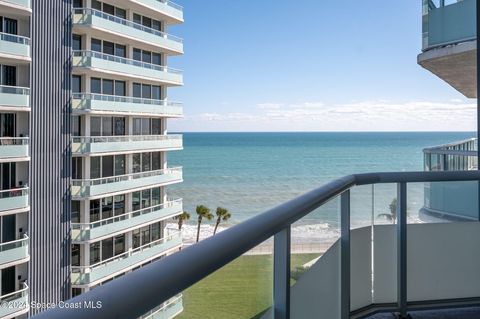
310,65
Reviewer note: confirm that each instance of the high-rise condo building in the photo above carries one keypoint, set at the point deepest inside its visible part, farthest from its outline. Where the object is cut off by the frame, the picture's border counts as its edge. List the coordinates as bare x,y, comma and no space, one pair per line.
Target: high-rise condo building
84,144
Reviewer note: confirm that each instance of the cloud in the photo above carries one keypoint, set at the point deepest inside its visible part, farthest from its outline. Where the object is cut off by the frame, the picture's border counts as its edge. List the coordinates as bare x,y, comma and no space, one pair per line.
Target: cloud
377,115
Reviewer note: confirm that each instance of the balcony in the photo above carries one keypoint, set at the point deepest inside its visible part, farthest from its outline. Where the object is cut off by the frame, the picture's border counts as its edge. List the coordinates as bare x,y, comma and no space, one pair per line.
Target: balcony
126,29
111,104
125,144
14,252
449,46
91,275
170,309
15,304
111,226
124,183
22,7
14,149
370,267
99,63
13,200
14,98
173,12
14,47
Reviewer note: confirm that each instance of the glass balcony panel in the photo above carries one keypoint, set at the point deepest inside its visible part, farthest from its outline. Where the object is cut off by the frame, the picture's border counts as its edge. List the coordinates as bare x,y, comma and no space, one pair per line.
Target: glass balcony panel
15,147
14,251
106,227
315,263
14,199
102,186
14,96
15,46
167,310
100,103
93,18
126,67
244,287
15,303
90,275
117,144
168,8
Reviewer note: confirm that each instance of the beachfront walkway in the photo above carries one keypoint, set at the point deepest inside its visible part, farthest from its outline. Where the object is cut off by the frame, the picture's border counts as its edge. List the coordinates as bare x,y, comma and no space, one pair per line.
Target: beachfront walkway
461,313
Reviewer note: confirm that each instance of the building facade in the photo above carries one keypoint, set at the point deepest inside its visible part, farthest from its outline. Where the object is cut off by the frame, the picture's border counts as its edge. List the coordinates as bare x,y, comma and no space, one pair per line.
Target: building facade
83,145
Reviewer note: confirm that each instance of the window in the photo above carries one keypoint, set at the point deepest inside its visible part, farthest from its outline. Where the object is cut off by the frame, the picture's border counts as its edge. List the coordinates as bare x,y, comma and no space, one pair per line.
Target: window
107,207
95,171
78,3
94,253
120,88
146,126
156,126
76,167
119,164
156,196
118,126
121,13
145,231
107,126
156,25
76,125
107,248
9,75
119,205
9,26
137,90
157,58
136,199
147,56
97,5
75,214
107,8
137,54
147,22
136,240
137,163
94,210
119,244
156,93
120,50
75,255
107,166
146,162
96,45
96,85
107,86
76,42
146,198
76,84
156,231
146,91
156,161
108,48
137,18
137,126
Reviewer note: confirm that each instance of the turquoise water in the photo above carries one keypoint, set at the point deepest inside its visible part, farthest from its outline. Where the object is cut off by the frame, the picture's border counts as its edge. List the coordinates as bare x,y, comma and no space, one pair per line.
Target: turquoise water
251,172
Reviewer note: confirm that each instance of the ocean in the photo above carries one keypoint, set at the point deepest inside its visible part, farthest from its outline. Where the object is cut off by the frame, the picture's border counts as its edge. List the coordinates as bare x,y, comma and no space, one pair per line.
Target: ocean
248,173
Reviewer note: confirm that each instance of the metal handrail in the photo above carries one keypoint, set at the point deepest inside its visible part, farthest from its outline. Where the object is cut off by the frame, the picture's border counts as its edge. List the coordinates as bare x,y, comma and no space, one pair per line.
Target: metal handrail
14,141
14,38
138,292
172,4
163,307
20,292
140,212
103,263
123,99
14,243
114,58
8,89
14,192
124,138
126,22
126,177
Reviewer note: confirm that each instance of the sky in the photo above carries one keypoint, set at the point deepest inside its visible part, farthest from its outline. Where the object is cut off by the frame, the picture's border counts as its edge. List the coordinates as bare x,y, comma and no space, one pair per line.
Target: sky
310,65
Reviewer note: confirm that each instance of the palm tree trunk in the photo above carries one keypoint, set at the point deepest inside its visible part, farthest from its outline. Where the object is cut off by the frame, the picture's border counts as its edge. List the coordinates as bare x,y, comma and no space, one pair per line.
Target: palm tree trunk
198,228
180,223
216,226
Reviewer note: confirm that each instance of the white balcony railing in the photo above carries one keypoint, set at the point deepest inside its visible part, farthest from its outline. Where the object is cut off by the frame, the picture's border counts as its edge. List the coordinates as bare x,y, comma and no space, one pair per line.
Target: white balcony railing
117,59
7,89
125,22
14,38
125,138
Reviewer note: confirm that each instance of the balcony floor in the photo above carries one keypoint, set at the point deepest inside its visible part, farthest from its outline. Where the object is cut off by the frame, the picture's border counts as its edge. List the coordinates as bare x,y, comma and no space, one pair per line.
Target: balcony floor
459,313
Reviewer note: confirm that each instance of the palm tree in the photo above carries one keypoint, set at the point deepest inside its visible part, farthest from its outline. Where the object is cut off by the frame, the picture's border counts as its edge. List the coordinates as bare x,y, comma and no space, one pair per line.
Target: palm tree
222,214
182,218
393,212
202,212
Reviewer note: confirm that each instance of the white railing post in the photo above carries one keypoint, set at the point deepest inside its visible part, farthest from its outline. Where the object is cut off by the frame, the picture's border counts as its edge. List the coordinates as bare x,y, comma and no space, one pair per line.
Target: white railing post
345,255
281,274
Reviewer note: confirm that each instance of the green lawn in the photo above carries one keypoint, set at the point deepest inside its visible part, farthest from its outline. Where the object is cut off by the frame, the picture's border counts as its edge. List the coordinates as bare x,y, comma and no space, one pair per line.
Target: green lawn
242,289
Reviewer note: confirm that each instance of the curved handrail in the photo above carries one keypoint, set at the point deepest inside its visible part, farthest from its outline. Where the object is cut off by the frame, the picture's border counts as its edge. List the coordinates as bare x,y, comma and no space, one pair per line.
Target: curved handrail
123,99
126,177
125,138
142,290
